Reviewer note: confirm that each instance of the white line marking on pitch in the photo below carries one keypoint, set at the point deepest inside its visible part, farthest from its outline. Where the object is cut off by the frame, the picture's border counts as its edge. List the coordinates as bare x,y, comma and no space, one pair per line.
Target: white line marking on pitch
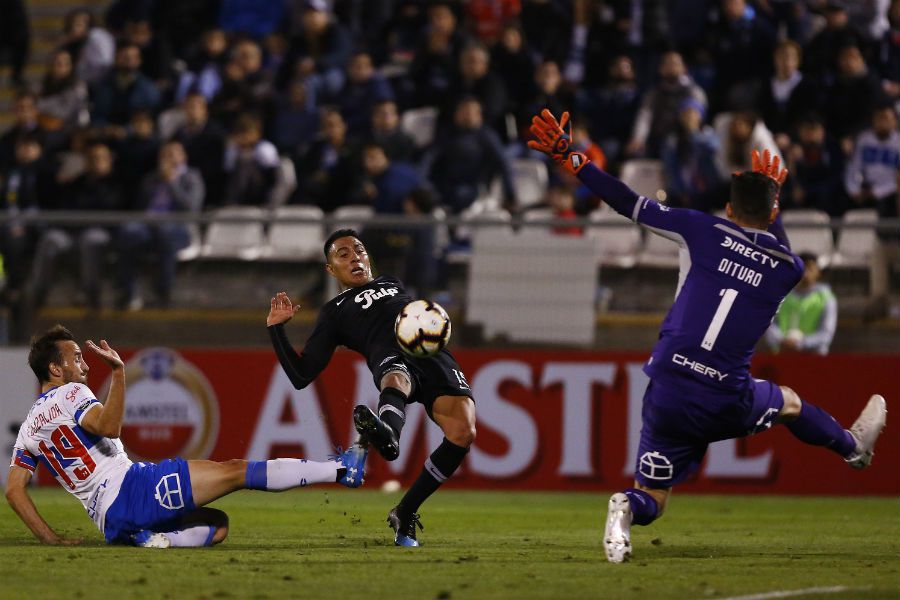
788,593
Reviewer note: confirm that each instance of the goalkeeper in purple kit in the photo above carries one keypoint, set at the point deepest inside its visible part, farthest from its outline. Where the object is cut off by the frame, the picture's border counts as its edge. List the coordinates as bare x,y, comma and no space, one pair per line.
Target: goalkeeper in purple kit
734,273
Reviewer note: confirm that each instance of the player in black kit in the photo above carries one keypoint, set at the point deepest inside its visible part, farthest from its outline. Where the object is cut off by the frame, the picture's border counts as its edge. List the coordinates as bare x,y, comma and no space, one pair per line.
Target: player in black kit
362,318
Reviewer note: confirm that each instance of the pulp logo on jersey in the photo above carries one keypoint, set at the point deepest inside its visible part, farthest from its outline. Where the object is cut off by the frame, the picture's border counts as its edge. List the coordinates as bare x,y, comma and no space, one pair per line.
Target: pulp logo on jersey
684,361
749,252
43,418
367,297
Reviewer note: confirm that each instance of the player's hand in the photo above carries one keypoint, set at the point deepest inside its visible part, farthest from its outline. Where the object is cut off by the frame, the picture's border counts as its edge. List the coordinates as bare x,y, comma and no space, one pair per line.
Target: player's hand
62,541
109,356
769,165
551,139
282,310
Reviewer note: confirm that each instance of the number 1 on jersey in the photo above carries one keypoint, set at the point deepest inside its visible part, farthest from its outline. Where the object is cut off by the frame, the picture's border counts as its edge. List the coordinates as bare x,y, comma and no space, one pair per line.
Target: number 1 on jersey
718,320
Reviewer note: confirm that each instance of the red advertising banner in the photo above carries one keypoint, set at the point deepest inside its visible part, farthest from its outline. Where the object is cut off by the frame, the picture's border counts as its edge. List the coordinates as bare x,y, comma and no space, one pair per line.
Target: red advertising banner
547,420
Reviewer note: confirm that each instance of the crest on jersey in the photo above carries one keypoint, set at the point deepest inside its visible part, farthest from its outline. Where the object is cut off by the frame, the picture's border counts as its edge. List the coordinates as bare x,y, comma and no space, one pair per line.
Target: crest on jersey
170,407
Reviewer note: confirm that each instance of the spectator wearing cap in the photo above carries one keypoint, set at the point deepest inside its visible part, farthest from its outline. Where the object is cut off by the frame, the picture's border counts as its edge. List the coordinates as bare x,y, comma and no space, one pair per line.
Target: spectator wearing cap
658,115
124,90
807,319
319,51
816,164
689,160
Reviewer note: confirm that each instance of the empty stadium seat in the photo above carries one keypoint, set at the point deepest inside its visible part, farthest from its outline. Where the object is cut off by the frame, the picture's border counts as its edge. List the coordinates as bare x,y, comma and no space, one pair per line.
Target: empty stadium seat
809,230
239,234
619,238
352,216
420,124
530,180
295,240
476,222
535,215
856,244
645,176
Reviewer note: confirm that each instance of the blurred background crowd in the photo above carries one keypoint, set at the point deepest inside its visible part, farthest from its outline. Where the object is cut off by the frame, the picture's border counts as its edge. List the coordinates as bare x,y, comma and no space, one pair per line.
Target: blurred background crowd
415,107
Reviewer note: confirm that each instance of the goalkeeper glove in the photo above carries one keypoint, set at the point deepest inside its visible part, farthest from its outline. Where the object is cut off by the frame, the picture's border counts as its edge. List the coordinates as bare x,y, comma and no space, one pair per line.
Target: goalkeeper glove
552,140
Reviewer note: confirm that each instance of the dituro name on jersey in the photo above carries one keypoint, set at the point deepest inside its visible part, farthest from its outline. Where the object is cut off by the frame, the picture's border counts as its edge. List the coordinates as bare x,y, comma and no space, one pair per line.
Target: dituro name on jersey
740,272
367,297
693,365
749,251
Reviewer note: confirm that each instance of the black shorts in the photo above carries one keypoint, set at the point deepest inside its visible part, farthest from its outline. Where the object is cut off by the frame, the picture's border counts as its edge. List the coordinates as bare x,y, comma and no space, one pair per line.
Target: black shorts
431,377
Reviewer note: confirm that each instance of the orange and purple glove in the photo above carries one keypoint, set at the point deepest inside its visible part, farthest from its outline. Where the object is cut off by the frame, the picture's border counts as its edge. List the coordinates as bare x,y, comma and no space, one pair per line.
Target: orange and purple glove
552,140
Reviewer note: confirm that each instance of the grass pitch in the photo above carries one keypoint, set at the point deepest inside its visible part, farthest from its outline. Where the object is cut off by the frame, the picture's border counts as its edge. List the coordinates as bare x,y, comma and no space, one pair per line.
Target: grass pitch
334,543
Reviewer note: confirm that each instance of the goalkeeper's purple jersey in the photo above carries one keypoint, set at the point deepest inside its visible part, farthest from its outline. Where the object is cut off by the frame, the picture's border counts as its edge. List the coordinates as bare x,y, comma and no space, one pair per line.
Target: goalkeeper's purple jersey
731,283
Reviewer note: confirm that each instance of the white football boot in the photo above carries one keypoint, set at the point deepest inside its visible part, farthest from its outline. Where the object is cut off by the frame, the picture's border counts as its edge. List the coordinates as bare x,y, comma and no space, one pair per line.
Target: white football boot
865,430
151,539
617,537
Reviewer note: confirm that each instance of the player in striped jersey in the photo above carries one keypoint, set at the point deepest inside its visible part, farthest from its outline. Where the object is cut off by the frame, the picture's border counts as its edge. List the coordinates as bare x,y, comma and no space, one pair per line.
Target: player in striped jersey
153,505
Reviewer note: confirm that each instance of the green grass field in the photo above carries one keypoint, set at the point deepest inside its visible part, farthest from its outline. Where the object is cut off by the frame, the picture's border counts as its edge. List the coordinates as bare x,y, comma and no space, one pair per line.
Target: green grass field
328,543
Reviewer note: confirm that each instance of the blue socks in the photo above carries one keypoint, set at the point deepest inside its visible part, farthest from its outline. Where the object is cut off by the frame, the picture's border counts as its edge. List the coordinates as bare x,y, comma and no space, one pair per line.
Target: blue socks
816,427
644,508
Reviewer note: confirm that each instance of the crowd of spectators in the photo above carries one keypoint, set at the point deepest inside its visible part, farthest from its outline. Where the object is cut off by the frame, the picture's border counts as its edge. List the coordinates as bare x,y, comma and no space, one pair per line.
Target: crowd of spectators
186,106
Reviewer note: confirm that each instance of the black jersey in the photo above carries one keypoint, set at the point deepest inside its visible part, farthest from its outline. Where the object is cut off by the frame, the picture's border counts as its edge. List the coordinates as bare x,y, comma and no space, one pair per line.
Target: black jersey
360,318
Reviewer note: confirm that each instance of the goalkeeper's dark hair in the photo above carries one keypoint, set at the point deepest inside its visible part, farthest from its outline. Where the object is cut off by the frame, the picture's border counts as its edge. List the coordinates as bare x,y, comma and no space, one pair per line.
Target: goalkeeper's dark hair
347,232
753,196
44,350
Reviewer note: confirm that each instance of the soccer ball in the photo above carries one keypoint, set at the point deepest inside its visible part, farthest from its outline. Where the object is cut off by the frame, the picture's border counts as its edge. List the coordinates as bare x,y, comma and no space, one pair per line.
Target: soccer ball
422,328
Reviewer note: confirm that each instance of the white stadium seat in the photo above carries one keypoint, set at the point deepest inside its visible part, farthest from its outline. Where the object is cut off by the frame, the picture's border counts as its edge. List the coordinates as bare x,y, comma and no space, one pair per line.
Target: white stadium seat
619,238
856,244
809,230
535,215
299,241
420,124
659,251
235,239
352,216
529,180
645,176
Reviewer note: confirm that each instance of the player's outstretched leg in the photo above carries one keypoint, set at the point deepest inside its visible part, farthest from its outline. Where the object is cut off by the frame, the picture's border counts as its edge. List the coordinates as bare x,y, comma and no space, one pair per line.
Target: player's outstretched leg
632,506
865,430
812,425
376,432
456,417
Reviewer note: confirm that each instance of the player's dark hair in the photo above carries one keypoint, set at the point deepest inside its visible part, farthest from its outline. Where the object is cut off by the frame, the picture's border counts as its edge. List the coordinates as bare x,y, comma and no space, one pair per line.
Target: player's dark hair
44,350
347,232
753,196
808,257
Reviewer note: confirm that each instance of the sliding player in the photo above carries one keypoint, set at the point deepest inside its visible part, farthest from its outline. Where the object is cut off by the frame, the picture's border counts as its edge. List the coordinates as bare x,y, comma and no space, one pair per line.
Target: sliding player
75,437
362,318
734,274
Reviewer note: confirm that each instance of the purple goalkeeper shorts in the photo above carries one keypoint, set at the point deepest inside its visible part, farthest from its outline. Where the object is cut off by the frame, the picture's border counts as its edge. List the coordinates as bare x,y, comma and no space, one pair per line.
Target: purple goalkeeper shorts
679,422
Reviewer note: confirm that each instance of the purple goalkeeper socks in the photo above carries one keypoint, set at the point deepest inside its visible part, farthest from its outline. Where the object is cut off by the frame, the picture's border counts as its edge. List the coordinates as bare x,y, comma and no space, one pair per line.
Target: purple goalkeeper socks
643,506
816,427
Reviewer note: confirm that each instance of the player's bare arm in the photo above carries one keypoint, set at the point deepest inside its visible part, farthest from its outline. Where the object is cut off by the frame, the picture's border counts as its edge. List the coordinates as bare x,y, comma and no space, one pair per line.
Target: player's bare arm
21,503
106,420
282,310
